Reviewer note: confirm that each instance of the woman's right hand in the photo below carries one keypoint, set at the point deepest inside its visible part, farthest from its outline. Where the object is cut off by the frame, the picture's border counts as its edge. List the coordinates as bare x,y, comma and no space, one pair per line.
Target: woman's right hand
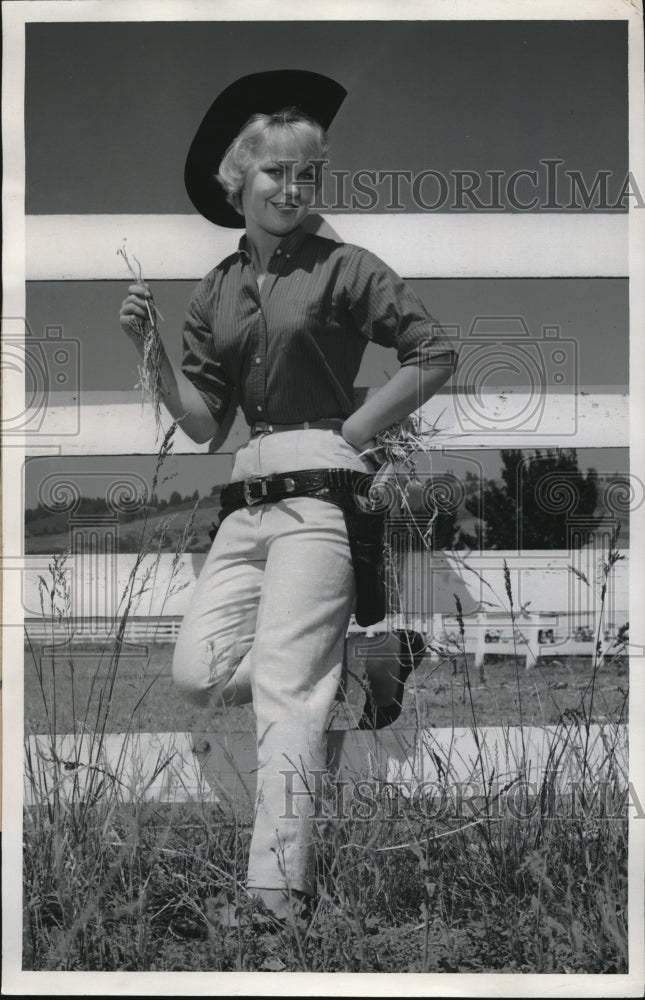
134,311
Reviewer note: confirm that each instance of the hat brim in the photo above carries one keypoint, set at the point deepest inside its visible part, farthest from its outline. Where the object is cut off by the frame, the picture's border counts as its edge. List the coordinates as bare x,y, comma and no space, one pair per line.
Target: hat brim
259,93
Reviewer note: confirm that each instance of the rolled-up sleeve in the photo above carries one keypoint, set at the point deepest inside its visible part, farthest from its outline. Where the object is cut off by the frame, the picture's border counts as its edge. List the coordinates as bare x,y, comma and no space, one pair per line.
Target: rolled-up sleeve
200,362
387,312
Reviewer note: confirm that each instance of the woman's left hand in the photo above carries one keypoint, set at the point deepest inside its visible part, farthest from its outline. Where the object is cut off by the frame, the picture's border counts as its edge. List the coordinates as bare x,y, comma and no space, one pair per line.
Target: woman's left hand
367,450
372,454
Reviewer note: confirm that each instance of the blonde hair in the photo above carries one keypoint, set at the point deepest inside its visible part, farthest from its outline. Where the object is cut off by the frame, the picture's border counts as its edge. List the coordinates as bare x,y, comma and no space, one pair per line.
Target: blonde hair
306,137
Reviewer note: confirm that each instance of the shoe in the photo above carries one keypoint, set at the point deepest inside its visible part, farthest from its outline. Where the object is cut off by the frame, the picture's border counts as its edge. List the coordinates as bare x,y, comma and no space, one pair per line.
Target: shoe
219,912
411,651
254,913
186,928
300,913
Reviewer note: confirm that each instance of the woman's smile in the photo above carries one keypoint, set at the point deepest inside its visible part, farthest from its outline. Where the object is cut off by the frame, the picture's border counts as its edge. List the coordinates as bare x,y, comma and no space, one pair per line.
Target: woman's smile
278,192
285,208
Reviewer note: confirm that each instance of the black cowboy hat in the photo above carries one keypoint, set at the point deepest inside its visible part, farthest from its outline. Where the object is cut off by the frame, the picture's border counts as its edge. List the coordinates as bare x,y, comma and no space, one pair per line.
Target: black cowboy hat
316,95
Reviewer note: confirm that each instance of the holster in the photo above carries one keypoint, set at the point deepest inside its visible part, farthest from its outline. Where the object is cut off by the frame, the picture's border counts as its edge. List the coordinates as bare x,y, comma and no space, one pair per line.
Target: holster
367,536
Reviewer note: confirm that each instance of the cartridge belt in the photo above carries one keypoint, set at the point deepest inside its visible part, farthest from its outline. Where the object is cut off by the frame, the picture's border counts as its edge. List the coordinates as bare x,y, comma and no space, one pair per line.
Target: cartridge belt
308,482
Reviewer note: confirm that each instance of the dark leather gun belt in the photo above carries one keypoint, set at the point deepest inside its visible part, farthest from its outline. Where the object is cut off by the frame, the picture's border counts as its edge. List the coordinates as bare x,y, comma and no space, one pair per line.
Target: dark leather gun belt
281,486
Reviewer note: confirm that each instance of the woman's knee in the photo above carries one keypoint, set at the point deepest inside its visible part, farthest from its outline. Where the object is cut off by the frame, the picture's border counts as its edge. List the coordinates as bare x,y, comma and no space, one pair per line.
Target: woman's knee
191,671
202,669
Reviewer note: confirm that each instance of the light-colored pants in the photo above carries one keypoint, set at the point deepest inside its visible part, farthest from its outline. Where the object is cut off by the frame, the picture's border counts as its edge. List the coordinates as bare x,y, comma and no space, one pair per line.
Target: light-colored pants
267,623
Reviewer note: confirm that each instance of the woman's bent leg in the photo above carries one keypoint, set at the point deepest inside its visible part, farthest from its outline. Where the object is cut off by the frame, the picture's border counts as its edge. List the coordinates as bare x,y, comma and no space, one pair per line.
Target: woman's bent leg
304,612
212,659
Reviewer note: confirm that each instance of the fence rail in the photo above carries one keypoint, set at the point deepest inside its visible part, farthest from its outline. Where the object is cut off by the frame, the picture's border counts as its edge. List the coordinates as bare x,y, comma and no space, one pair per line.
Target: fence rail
142,630
531,640
181,767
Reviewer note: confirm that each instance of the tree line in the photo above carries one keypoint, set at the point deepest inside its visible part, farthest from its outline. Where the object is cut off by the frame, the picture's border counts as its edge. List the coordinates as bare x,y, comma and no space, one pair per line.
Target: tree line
531,505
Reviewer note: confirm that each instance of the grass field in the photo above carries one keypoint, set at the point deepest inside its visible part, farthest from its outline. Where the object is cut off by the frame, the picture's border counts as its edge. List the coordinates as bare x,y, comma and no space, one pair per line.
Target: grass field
536,889
523,898
436,694
110,886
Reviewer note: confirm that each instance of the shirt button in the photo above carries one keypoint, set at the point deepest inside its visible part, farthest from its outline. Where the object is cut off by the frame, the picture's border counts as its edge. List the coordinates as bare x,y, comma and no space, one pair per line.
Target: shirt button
278,252
258,361
258,407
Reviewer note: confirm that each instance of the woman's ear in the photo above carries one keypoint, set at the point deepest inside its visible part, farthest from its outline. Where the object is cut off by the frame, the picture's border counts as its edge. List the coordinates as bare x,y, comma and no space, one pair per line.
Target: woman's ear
319,169
235,198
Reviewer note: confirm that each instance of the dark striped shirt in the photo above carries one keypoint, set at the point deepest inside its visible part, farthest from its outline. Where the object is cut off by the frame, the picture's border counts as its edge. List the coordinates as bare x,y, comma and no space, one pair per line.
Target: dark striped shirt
294,348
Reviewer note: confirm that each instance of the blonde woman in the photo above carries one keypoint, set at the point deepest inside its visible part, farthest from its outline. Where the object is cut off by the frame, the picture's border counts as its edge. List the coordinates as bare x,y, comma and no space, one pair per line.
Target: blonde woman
284,321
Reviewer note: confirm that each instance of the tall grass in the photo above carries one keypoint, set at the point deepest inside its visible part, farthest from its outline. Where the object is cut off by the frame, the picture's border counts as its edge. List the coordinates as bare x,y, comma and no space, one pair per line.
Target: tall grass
527,872
82,845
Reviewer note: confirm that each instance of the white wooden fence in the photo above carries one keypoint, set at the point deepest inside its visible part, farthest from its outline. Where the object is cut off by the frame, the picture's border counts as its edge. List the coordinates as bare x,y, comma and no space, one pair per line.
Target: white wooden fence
221,767
60,248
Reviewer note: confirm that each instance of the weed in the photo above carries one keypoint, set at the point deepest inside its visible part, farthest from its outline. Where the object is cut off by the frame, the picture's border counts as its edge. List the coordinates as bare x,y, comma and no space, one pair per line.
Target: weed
151,380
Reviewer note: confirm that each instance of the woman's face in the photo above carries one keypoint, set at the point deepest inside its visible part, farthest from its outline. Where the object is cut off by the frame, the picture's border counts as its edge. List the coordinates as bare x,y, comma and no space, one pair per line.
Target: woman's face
279,188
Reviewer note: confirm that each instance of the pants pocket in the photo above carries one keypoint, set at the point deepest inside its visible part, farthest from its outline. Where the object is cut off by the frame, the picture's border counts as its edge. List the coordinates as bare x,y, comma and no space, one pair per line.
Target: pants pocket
348,457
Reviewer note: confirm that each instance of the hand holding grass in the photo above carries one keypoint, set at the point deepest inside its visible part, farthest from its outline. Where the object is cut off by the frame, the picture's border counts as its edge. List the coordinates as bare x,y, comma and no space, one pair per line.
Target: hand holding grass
139,319
160,379
135,312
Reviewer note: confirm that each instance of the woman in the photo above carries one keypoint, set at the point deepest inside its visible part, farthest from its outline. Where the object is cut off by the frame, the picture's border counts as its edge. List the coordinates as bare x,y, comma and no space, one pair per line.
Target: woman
285,321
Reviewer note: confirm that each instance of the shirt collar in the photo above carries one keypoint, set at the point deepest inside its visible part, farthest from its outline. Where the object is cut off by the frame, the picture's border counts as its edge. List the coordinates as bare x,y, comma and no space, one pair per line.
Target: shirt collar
287,246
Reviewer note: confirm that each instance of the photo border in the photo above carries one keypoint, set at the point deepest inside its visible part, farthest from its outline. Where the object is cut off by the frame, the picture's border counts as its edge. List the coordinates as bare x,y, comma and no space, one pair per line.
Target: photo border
15,14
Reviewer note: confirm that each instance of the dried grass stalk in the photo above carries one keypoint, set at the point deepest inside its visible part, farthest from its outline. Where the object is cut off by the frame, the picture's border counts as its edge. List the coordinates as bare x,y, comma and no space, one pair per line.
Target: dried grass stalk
399,444
151,382
399,448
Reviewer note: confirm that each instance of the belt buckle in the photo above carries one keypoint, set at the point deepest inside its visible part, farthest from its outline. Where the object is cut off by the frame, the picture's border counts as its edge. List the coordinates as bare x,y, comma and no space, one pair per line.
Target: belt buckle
246,488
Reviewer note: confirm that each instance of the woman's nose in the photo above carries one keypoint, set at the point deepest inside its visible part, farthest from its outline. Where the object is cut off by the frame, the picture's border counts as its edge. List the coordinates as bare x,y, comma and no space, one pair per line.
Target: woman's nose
291,186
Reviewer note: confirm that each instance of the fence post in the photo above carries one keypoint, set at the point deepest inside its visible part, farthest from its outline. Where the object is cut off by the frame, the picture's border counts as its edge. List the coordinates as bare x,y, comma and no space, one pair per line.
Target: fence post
480,644
532,645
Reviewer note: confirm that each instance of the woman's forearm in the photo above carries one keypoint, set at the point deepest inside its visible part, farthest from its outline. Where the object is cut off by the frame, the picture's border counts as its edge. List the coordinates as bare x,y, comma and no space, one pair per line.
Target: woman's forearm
185,404
405,392
183,401
178,394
